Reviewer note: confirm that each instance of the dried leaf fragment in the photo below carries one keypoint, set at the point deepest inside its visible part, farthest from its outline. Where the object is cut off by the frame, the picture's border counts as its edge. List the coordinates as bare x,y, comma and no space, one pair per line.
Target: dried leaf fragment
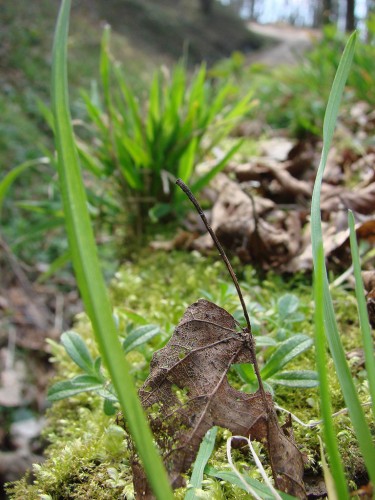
187,392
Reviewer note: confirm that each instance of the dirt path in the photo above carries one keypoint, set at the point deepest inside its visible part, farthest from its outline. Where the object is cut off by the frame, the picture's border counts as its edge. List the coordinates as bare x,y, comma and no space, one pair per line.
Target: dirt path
292,42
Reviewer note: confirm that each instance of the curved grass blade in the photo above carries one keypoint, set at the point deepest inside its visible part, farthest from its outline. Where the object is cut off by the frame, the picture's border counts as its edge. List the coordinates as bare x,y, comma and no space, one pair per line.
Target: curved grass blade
362,310
262,490
346,382
85,261
11,176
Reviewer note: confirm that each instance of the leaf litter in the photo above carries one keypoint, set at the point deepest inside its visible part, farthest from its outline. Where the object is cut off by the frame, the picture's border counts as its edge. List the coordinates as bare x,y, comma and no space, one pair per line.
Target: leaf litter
261,207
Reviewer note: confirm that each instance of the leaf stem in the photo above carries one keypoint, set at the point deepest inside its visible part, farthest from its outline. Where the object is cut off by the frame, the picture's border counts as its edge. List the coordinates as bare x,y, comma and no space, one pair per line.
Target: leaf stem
194,201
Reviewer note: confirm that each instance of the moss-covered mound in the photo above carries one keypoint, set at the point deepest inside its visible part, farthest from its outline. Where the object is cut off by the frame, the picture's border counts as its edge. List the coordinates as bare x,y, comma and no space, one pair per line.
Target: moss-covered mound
88,453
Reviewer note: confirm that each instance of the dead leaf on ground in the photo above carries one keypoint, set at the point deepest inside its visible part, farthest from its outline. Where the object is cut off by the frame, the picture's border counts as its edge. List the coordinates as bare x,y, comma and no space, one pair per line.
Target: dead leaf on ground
187,392
277,148
182,241
369,280
361,200
336,245
370,299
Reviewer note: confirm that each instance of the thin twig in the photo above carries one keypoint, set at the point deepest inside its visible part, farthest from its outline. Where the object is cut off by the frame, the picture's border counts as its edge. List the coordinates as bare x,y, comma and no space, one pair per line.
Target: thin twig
194,201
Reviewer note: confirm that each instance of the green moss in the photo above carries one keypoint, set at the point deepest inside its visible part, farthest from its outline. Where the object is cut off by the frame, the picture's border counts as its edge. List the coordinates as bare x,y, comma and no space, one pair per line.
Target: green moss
88,456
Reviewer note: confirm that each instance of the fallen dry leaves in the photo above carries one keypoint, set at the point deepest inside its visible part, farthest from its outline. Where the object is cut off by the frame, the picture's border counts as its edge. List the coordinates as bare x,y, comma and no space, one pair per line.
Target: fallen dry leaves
261,210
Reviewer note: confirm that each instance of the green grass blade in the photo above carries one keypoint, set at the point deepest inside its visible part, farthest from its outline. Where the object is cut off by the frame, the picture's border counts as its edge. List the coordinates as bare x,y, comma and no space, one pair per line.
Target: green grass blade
362,311
328,130
174,101
133,106
346,382
87,269
204,453
324,389
286,351
12,176
105,66
186,165
262,490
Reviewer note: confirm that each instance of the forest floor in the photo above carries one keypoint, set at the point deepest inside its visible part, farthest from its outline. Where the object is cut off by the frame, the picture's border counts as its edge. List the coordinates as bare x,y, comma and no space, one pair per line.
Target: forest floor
37,308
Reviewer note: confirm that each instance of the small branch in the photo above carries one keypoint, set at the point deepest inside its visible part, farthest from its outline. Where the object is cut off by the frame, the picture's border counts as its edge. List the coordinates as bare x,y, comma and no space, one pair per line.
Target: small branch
194,201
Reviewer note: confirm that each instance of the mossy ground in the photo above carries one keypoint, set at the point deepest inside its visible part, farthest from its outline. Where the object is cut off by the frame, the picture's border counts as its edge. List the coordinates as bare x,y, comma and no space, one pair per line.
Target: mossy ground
87,456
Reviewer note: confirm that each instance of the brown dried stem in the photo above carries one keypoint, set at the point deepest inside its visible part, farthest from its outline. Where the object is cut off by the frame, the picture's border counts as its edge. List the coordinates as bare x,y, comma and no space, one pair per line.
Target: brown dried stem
194,201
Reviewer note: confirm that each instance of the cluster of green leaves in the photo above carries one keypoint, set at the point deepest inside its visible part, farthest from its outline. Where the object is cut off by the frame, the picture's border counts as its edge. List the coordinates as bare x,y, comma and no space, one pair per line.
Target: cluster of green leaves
279,347
282,343
141,146
295,97
93,378
132,148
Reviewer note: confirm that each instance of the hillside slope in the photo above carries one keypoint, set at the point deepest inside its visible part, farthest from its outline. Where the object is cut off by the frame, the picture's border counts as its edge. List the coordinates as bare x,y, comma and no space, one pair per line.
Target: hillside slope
145,34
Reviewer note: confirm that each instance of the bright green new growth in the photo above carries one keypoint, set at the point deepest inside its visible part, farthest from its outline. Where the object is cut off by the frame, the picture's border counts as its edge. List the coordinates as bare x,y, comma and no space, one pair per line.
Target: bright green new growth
86,265
326,321
143,145
205,451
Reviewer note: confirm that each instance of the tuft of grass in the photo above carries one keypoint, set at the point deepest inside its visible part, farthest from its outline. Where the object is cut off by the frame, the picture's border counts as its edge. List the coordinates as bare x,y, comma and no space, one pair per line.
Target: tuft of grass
140,146
326,324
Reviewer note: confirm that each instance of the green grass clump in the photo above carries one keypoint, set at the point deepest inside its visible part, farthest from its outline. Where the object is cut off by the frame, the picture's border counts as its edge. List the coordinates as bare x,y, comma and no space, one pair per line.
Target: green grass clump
142,145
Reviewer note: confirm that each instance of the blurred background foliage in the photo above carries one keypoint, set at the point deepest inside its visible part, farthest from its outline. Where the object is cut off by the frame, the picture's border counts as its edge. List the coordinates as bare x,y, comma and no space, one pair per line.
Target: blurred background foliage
153,102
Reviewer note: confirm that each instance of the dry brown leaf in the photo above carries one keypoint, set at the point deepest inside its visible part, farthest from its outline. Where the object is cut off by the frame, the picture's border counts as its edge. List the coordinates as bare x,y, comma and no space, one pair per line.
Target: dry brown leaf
264,244
182,241
187,392
361,200
288,183
251,171
336,244
277,148
233,206
370,300
369,280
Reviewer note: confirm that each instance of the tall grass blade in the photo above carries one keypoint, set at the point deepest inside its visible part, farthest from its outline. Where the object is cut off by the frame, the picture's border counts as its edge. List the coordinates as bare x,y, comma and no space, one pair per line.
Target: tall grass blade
362,311
346,382
105,66
329,433
86,265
